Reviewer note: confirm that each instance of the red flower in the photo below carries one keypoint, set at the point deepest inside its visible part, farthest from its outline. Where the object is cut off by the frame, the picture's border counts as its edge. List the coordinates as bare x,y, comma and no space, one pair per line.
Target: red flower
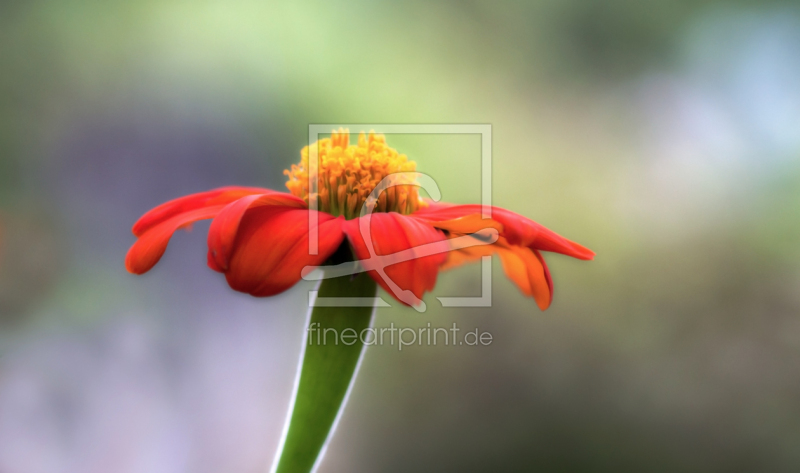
259,238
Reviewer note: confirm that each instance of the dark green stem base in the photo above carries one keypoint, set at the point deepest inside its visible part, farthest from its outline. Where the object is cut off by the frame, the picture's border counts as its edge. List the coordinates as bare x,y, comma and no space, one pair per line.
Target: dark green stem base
328,367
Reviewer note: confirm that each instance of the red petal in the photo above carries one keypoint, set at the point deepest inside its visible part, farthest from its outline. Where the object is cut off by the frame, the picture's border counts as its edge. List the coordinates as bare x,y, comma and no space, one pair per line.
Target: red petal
212,263
391,233
271,248
222,233
517,229
167,210
150,246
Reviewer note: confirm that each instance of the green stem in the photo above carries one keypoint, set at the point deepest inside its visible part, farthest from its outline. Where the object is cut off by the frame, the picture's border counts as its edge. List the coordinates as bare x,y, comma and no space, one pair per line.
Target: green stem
329,366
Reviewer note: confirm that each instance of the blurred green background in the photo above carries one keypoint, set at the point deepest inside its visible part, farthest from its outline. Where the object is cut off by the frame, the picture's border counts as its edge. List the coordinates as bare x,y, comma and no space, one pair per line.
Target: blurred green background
664,135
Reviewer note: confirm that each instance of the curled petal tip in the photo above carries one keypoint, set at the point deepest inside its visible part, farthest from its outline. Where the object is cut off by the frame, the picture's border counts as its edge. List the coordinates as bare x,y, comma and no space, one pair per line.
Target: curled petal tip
151,245
543,306
130,266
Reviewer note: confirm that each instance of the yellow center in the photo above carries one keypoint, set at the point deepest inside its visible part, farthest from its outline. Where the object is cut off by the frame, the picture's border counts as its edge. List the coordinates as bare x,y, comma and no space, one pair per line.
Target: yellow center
347,174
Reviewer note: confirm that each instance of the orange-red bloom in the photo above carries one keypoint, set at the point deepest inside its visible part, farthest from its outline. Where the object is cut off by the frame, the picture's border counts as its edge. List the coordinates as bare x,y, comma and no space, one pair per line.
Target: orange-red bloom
259,238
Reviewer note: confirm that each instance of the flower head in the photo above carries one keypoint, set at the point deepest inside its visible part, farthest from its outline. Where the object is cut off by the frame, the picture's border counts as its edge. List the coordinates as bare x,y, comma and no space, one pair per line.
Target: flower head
347,174
259,238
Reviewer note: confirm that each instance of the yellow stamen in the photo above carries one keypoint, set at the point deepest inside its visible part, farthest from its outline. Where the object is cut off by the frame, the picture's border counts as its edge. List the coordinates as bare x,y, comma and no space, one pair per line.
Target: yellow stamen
347,173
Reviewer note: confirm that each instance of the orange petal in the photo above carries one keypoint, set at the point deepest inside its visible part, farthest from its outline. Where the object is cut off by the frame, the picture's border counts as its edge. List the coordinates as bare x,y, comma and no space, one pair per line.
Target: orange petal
271,248
468,224
466,255
167,210
517,229
150,246
525,267
392,233
222,233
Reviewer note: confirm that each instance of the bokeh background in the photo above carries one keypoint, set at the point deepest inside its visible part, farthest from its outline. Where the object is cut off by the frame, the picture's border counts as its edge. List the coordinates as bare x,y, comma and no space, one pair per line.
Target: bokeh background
663,134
